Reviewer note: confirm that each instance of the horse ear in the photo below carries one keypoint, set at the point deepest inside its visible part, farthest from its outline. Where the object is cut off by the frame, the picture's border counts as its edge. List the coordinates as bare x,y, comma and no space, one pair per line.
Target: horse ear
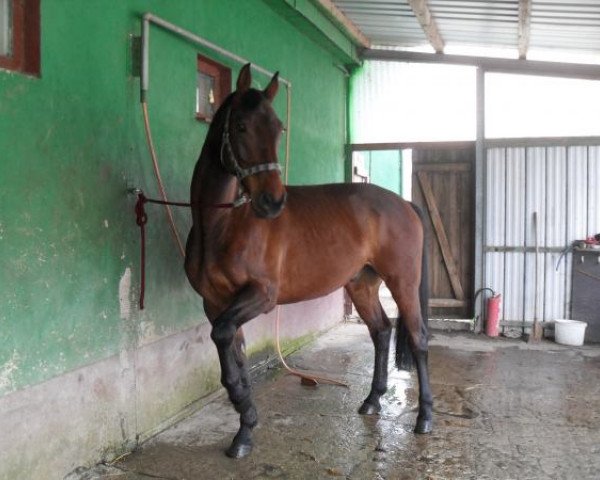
244,79
272,87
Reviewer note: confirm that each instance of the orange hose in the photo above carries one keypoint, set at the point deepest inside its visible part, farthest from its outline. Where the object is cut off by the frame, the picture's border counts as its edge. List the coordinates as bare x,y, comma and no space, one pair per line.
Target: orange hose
159,181
305,377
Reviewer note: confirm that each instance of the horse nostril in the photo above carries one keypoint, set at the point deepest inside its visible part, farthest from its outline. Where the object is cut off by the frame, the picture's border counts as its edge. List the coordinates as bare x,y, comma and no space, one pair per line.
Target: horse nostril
268,202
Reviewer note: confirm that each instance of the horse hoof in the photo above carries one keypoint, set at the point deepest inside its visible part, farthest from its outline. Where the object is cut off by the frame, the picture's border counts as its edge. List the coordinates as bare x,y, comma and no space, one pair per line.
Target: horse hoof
369,409
238,450
424,426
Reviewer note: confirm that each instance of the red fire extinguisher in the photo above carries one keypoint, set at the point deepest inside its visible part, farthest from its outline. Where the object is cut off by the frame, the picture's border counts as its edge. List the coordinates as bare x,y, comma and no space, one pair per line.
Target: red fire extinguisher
492,312
493,315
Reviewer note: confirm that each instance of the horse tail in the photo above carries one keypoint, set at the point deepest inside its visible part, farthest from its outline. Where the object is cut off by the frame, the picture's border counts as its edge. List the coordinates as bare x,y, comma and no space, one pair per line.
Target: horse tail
424,285
404,357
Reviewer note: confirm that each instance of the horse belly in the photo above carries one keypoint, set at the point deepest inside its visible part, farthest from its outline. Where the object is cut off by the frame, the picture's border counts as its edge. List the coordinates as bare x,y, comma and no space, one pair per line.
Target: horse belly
316,277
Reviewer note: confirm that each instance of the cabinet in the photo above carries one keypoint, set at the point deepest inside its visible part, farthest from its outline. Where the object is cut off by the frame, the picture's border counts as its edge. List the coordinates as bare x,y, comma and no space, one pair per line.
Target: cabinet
585,304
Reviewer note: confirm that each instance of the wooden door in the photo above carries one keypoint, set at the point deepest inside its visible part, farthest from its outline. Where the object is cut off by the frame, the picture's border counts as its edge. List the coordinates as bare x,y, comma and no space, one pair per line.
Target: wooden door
443,186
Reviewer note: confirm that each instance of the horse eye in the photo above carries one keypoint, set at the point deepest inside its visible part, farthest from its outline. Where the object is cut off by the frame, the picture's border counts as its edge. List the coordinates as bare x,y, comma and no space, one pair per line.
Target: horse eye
241,127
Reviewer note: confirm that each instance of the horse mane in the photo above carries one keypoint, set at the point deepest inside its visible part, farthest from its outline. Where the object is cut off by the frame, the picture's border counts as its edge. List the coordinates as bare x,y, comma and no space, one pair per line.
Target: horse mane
211,150
215,129
212,146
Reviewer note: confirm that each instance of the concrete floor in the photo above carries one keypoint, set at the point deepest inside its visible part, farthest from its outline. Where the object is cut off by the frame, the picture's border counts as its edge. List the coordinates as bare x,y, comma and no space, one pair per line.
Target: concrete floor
503,410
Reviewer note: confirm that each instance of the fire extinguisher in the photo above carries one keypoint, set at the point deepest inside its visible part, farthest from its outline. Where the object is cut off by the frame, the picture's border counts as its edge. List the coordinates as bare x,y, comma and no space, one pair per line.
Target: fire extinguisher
492,312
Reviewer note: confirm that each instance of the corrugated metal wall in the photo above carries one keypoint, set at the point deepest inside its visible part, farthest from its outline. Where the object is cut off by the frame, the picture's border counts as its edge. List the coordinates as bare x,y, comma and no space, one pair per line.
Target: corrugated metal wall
561,184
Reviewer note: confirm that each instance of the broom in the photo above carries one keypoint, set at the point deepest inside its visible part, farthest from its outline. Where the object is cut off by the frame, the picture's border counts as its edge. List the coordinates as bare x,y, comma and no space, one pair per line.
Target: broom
537,331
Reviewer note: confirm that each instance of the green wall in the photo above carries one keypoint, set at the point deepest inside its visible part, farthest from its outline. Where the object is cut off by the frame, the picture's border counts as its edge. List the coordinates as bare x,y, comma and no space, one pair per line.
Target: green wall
72,141
385,169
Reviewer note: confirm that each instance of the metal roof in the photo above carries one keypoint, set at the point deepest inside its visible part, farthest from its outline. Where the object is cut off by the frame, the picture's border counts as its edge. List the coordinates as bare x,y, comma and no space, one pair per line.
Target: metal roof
519,27
385,23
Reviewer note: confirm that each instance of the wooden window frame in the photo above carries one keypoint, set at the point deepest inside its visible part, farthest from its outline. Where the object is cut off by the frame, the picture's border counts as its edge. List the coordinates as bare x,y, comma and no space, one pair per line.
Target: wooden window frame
222,76
25,56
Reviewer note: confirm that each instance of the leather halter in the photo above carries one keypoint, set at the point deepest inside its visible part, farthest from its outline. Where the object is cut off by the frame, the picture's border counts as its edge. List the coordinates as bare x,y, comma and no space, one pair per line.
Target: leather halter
233,166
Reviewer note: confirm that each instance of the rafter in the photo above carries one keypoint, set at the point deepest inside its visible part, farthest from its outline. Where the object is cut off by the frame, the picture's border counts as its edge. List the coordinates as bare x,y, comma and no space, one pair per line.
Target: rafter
423,14
524,27
489,64
341,19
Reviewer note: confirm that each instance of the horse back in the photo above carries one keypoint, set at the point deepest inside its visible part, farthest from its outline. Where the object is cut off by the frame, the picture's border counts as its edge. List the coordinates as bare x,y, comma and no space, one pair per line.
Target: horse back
328,234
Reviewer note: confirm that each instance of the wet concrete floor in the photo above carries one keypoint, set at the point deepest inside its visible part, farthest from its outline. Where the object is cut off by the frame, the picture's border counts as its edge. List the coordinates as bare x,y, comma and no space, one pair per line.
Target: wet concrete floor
503,410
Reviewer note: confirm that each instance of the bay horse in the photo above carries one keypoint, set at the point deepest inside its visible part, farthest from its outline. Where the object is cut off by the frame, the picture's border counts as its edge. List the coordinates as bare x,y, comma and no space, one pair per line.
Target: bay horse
284,244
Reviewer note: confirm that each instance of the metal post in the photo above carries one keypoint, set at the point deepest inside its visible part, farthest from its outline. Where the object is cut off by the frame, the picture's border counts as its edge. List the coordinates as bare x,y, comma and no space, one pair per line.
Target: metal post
148,17
145,76
145,58
479,276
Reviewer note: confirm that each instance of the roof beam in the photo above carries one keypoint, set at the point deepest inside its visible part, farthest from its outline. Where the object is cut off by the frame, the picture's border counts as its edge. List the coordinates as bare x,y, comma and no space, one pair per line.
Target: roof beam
489,64
338,17
423,14
524,27
310,19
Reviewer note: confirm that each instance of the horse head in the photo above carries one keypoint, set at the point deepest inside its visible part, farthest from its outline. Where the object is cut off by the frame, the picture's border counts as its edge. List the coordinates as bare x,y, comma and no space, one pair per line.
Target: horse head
251,133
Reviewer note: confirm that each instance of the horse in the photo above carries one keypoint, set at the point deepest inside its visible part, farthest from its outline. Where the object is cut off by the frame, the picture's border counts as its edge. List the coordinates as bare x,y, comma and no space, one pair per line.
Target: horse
281,244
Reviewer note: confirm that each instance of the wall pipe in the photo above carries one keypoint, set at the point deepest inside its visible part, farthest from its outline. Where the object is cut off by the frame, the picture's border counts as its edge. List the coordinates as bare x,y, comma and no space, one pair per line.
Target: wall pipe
144,86
148,18
144,83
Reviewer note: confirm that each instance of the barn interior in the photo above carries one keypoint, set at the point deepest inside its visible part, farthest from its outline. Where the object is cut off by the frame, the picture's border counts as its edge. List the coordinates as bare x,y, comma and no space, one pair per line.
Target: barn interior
480,112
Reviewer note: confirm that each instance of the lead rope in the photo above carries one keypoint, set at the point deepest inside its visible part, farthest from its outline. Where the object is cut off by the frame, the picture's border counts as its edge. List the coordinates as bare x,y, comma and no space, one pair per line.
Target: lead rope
142,219
161,187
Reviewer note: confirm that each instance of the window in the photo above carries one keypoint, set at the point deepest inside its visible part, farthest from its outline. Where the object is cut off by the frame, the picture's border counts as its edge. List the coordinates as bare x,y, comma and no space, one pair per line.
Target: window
212,87
412,102
20,35
5,28
532,106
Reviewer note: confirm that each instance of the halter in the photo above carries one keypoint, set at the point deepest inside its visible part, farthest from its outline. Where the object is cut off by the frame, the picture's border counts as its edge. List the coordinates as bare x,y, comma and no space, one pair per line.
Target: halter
234,165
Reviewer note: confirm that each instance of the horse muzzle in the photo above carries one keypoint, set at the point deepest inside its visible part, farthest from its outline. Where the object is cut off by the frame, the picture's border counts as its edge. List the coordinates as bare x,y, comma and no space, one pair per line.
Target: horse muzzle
267,206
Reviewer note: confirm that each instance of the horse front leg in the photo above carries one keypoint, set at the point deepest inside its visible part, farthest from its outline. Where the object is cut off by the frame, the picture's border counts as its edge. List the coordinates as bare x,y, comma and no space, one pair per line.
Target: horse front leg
248,303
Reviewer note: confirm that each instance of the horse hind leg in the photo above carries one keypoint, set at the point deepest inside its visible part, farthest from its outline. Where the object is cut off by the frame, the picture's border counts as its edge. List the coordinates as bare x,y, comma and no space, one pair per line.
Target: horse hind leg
364,292
411,324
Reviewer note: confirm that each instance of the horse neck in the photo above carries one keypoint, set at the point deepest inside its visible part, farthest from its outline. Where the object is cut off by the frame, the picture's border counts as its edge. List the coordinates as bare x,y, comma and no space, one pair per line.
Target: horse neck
212,185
